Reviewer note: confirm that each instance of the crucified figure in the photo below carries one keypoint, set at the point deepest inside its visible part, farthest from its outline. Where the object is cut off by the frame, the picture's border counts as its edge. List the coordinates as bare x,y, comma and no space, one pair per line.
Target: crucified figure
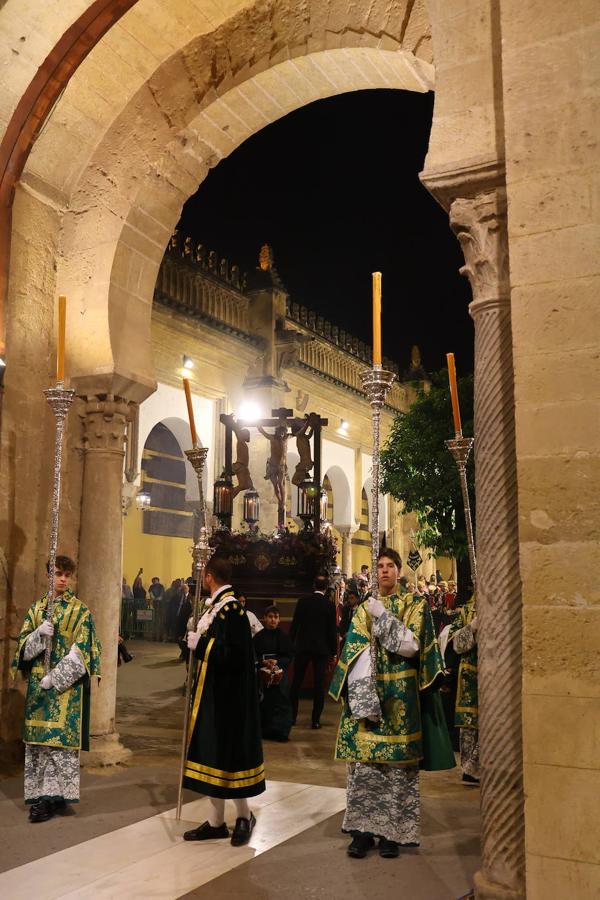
276,463
303,436
240,467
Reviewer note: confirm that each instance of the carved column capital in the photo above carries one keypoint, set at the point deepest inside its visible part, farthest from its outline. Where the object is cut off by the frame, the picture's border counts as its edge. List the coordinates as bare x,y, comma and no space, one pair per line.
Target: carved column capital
105,423
480,225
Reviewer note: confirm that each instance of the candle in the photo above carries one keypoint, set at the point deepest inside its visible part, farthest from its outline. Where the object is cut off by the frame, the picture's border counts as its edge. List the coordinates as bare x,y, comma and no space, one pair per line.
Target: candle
190,409
60,353
376,318
454,394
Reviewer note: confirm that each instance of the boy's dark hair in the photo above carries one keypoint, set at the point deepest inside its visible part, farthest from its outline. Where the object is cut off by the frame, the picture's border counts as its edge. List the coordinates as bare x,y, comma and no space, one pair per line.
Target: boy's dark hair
220,569
272,609
321,583
364,566
63,564
388,553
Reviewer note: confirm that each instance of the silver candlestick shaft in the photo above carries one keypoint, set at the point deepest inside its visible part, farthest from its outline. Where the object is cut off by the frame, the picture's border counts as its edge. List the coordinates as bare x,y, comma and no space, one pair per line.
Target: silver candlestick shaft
460,448
59,398
376,384
201,554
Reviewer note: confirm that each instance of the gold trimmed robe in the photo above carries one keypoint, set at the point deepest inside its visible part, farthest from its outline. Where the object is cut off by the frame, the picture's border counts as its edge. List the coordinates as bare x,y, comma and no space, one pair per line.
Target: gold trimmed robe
398,736
467,708
53,718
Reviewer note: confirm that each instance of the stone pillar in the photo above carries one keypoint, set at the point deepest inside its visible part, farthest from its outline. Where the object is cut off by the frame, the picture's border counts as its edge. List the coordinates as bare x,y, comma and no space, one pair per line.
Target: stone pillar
99,571
481,227
346,536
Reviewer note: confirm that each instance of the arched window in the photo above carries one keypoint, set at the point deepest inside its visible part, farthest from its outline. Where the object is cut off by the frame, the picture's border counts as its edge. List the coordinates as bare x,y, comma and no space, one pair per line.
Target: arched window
164,478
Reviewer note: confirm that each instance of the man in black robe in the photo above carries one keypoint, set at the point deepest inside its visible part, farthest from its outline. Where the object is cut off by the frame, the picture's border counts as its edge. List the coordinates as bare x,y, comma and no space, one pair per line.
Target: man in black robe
274,652
224,759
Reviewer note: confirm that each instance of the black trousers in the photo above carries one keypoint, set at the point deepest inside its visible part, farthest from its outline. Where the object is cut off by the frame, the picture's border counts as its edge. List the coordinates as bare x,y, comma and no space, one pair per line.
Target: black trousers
319,664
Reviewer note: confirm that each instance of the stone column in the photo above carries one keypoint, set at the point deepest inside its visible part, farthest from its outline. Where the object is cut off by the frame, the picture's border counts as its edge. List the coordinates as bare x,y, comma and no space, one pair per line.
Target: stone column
346,536
481,227
99,571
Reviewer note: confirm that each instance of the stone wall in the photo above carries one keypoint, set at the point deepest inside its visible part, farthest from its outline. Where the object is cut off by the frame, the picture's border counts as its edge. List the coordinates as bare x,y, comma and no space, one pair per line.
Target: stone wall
551,97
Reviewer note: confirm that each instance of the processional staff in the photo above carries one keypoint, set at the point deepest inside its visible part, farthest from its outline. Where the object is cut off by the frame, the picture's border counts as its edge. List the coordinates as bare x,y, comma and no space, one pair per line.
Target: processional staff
201,554
460,448
59,399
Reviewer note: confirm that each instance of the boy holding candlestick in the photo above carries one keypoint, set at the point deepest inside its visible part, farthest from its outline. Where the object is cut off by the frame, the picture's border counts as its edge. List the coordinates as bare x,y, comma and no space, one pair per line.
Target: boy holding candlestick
57,706
389,661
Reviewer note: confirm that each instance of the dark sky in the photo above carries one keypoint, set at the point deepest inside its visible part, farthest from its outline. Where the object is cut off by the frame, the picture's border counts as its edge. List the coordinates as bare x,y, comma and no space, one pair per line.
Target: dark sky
334,188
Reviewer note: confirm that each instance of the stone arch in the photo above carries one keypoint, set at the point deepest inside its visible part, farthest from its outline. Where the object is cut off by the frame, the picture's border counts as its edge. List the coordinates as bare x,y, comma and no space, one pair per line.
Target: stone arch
192,96
342,495
383,505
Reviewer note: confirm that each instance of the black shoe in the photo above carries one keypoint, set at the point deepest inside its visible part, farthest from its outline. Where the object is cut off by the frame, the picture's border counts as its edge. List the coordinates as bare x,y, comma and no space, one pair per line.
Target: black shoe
469,779
242,831
41,811
360,844
388,849
316,725
410,844
206,832
127,657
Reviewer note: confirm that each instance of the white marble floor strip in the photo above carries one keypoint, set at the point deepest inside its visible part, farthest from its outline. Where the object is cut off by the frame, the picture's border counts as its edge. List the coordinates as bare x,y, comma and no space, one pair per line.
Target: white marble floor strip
150,859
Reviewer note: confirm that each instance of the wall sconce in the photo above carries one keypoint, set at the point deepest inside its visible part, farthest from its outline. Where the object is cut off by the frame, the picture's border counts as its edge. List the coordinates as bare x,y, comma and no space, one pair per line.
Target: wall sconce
249,411
223,501
188,363
142,499
343,429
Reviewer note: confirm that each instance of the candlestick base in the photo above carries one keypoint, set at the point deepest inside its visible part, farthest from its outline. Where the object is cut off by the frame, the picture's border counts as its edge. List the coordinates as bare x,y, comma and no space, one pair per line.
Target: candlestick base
460,448
376,384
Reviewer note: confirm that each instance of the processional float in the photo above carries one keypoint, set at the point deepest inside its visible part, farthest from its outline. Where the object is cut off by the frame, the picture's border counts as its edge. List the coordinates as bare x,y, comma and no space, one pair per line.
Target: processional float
59,399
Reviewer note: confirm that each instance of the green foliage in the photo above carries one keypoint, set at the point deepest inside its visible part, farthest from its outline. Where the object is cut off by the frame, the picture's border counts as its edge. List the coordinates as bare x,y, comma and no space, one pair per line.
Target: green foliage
418,469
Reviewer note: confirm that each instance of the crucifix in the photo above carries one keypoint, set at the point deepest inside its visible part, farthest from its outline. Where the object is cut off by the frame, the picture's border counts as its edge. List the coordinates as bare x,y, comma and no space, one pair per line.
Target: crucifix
306,430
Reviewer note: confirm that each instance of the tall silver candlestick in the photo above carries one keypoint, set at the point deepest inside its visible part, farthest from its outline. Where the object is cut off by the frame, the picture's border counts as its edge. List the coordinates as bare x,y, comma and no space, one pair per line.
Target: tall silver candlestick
376,384
201,554
460,448
59,398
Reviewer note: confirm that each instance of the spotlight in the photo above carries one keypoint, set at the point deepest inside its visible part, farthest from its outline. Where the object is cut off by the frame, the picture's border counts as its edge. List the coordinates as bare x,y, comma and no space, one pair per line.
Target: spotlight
343,428
249,411
188,363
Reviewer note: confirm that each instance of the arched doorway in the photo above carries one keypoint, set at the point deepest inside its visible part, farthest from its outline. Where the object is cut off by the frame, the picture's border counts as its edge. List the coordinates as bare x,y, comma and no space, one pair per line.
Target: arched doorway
142,146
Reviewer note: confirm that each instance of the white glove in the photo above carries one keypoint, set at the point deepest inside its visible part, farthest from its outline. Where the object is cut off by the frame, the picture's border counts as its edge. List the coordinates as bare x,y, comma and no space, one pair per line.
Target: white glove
46,682
375,607
46,629
192,639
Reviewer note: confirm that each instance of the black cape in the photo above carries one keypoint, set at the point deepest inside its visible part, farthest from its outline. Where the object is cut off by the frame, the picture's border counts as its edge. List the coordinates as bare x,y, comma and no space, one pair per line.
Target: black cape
225,756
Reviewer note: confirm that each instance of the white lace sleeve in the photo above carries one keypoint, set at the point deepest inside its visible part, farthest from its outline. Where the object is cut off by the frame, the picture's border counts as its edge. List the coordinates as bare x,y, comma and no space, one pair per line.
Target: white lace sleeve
362,692
34,645
395,636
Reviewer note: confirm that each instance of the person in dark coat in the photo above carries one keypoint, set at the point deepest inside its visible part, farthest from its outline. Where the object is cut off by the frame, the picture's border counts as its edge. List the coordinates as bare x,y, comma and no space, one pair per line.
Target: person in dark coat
313,633
224,758
274,652
351,604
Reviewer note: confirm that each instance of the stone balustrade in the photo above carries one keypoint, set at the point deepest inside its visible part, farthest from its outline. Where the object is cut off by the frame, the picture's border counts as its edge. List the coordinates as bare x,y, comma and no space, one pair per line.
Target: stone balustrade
194,281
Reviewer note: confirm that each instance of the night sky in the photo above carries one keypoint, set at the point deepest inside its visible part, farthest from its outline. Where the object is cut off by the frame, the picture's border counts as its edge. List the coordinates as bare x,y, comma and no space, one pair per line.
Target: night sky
334,188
